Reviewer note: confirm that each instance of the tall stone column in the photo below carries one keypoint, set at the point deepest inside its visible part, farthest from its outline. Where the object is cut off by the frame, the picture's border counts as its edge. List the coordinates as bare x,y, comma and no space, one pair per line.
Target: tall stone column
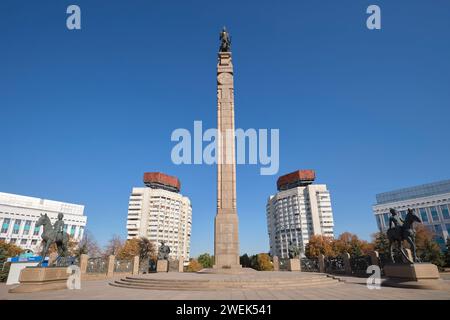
226,238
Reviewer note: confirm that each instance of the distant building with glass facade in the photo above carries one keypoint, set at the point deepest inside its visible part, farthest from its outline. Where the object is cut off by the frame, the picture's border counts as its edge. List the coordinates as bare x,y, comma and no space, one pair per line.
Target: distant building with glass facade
431,202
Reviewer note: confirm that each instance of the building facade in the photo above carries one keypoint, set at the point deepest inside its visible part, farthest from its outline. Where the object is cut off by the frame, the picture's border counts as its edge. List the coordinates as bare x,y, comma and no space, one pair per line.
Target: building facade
19,214
299,210
160,213
430,202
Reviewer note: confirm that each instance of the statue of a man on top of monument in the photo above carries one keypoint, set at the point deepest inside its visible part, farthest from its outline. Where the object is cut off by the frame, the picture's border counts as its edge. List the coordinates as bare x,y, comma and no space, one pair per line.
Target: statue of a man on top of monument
225,41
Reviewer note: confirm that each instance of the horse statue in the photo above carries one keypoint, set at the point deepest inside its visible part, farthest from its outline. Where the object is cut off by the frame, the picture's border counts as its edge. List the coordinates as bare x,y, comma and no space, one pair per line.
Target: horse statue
50,236
404,232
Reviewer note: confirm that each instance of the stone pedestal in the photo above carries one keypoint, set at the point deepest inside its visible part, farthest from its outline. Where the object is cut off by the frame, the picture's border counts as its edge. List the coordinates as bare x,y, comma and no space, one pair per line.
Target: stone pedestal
276,264
83,262
293,265
111,262
33,279
321,263
162,266
181,265
135,265
347,266
417,276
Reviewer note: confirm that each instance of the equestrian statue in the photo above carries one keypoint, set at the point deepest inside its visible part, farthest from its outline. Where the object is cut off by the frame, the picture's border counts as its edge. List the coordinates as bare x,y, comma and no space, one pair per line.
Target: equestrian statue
400,230
54,234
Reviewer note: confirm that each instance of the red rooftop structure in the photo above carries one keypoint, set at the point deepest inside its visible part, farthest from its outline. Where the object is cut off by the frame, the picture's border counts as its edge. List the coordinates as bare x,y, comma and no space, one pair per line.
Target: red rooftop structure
296,179
159,180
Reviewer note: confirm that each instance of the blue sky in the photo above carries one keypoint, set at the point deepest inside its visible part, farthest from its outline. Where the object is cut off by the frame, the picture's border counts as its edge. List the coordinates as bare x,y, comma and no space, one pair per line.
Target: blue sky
85,113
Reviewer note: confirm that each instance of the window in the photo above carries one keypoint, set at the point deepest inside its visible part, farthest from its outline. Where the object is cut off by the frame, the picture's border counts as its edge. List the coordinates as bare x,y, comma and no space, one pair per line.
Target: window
386,220
13,241
445,213
423,215
434,214
403,214
26,228
72,231
36,231
16,227
379,224
5,225
23,241
438,228
447,226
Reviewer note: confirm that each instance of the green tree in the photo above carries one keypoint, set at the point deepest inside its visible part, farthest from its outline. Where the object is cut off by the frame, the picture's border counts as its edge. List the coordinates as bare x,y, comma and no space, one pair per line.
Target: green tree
447,253
206,260
245,261
431,252
380,242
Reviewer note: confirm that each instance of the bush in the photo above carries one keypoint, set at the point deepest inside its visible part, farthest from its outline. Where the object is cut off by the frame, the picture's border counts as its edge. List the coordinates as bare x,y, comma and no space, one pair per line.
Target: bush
194,266
263,262
206,260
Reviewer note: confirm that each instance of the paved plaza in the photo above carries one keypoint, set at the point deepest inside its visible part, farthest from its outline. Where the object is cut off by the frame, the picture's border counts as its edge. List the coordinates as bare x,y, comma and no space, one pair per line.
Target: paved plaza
348,288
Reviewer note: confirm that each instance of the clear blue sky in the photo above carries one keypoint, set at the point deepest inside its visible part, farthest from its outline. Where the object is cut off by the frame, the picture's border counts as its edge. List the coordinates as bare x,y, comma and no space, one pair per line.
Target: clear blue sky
85,113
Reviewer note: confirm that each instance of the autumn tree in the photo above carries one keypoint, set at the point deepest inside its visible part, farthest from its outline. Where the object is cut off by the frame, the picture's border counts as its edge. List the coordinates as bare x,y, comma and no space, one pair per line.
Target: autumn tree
319,244
194,266
263,262
128,250
7,250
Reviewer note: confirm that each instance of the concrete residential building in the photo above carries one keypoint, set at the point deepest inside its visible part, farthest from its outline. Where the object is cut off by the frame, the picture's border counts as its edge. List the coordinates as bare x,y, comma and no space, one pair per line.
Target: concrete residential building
299,210
160,213
19,214
431,202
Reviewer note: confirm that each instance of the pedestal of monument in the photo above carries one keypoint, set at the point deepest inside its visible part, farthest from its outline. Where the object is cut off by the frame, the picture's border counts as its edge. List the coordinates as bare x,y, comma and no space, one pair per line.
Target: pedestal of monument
293,265
34,279
162,266
416,275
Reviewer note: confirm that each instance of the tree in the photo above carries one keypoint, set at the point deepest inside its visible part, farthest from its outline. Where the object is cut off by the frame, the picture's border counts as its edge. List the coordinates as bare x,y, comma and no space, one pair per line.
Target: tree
263,262
206,260
245,261
88,245
447,252
194,266
380,242
7,250
114,245
431,252
128,250
350,243
319,244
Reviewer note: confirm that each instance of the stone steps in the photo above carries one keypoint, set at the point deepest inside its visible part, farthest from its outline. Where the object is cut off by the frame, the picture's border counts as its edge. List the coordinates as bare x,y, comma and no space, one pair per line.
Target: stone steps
199,284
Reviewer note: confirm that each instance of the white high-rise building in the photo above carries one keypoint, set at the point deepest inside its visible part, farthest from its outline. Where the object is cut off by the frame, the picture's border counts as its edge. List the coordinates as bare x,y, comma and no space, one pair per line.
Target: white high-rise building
160,213
299,210
19,214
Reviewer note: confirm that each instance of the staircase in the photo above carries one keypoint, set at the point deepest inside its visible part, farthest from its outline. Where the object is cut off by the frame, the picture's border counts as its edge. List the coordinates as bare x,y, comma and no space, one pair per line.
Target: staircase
296,281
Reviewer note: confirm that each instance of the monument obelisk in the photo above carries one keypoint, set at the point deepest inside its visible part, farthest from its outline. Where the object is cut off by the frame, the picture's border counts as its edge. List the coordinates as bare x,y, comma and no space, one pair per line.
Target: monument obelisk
226,237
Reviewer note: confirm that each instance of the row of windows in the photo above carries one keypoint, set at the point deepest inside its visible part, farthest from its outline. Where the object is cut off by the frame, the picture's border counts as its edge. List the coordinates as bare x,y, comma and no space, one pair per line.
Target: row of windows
27,227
